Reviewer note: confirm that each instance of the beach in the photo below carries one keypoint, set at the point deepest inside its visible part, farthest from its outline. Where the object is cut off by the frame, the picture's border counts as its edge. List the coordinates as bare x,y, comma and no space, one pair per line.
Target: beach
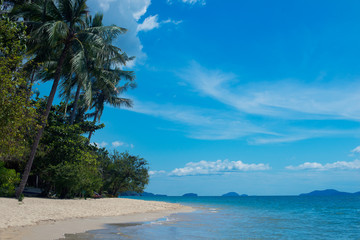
39,218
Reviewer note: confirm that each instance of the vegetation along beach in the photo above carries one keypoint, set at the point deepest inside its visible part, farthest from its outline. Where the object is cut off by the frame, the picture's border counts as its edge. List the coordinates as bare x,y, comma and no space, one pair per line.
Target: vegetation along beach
179,119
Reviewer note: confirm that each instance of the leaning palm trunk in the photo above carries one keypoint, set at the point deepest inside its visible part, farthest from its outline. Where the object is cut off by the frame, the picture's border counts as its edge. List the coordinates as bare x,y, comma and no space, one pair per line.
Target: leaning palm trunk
77,96
94,121
43,124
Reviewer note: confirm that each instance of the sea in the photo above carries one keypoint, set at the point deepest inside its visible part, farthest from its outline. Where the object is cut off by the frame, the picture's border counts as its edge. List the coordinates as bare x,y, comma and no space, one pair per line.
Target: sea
252,217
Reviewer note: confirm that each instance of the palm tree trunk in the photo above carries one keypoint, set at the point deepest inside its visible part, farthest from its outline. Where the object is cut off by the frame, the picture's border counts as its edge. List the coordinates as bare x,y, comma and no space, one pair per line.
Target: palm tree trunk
32,78
77,95
66,106
94,121
43,124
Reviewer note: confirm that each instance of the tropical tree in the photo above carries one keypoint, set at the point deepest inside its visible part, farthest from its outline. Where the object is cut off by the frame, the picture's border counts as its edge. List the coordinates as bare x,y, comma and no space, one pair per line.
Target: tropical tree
99,66
60,25
79,79
66,164
16,112
125,172
107,92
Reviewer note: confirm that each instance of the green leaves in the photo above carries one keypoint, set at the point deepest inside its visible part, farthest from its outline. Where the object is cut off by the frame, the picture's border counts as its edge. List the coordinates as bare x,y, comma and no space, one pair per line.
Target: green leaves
66,163
17,114
8,179
125,172
58,31
69,167
64,43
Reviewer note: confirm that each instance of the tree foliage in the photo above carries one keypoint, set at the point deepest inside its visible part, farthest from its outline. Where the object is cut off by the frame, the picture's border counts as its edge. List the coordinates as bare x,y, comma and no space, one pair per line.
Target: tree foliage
125,172
17,115
59,34
65,162
68,166
8,179
72,48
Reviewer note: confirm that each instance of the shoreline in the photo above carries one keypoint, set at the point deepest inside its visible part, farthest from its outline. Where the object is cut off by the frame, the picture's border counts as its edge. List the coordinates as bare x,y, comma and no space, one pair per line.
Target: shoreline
38,218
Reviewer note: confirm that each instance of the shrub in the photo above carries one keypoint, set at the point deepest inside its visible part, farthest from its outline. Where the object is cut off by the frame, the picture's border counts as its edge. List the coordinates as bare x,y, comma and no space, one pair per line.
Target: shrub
8,179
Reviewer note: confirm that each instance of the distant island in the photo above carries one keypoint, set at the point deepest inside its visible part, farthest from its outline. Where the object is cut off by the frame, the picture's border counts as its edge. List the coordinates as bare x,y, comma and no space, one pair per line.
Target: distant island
325,193
233,194
143,194
329,192
147,194
190,195
159,195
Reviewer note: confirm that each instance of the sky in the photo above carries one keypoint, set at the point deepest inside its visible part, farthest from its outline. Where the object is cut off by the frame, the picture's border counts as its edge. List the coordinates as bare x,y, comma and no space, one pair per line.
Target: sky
257,97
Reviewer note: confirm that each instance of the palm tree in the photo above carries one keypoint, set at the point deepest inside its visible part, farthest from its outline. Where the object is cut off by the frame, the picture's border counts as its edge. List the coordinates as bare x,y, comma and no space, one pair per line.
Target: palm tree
106,89
61,25
93,57
107,75
96,58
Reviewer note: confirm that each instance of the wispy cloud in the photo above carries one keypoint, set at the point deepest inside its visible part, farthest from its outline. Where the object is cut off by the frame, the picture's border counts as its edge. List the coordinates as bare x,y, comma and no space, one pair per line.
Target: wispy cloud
356,150
262,112
293,134
201,123
217,167
340,165
191,2
202,2
217,124
172,21
286,99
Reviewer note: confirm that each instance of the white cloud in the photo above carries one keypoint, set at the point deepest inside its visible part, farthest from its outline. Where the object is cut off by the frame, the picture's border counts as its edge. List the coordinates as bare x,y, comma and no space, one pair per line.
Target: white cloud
149,23
105,4
340,165
152,173
217,167
139,8
152,22
117,144
102,144
127,14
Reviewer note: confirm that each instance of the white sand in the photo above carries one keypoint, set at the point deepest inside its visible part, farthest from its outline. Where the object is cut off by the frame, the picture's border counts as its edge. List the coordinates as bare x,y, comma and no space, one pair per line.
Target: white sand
93,213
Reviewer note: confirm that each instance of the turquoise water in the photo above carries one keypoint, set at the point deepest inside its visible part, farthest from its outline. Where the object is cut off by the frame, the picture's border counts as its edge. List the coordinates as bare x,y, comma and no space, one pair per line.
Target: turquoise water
287,217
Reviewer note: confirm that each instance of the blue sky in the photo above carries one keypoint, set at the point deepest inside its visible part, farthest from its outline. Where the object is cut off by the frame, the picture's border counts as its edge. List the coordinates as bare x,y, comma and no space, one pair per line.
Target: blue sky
258,97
